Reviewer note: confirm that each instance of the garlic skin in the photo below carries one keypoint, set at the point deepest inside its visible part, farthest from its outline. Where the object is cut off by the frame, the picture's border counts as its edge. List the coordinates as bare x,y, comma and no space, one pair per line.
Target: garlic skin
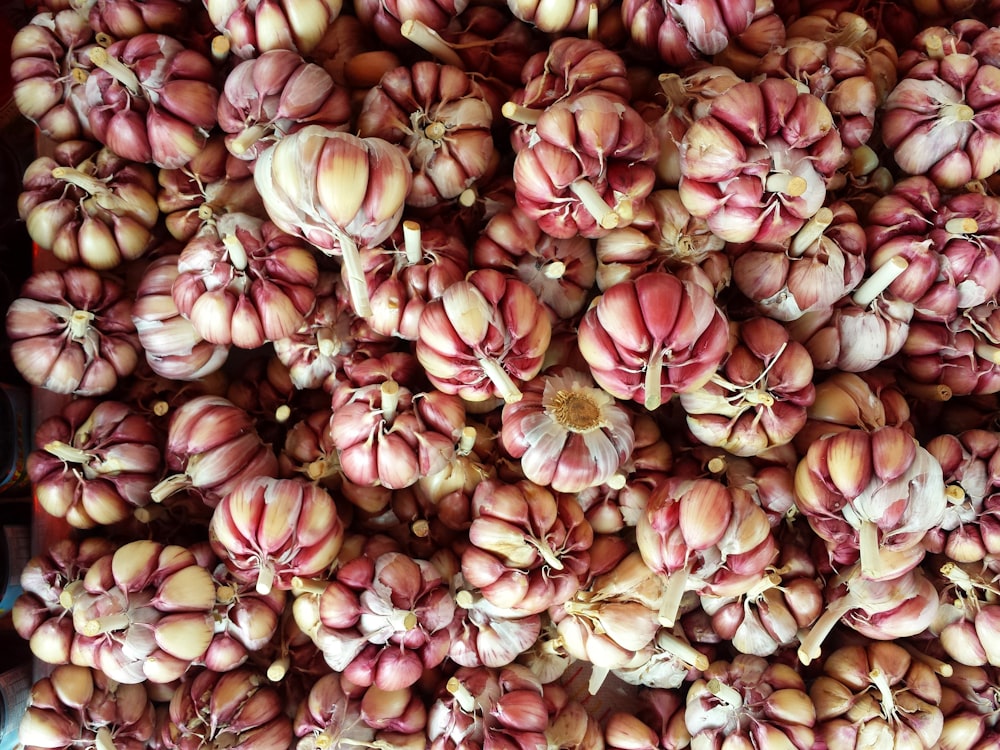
567,433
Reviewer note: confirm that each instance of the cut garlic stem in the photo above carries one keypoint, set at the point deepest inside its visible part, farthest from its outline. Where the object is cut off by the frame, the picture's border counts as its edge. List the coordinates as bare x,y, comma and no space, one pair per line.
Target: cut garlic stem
879,281
465,599
390,399
520,114
597,677
82,180
318,469
955,494
881,681
79,323
149,513
225,594
960,225
412,242
786,184
868,546
942,668
467,198
325,342
435,131
467,441
161,407
206,212
766,583
989,352
682,650
220,48
278,668
357,285
106,624
66,452
265,578
169,486
725,693
103,739
115,68
926,391
603,214
652,382
934,47
70,592
810,643
593,18
502,381
246,139
673,87
235,251
463,696
430,41
420,528
282,414
811,232
79,76
617,481
956,113
673,591
554,269
716,465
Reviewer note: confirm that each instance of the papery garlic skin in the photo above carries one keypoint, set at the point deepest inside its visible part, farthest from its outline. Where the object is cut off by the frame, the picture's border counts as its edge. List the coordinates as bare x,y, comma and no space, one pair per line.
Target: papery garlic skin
243,282
89,206
681,32
301,180
269,96
213,183
50,581
44,54
608,178
79,704
567,433
151,99
238,706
